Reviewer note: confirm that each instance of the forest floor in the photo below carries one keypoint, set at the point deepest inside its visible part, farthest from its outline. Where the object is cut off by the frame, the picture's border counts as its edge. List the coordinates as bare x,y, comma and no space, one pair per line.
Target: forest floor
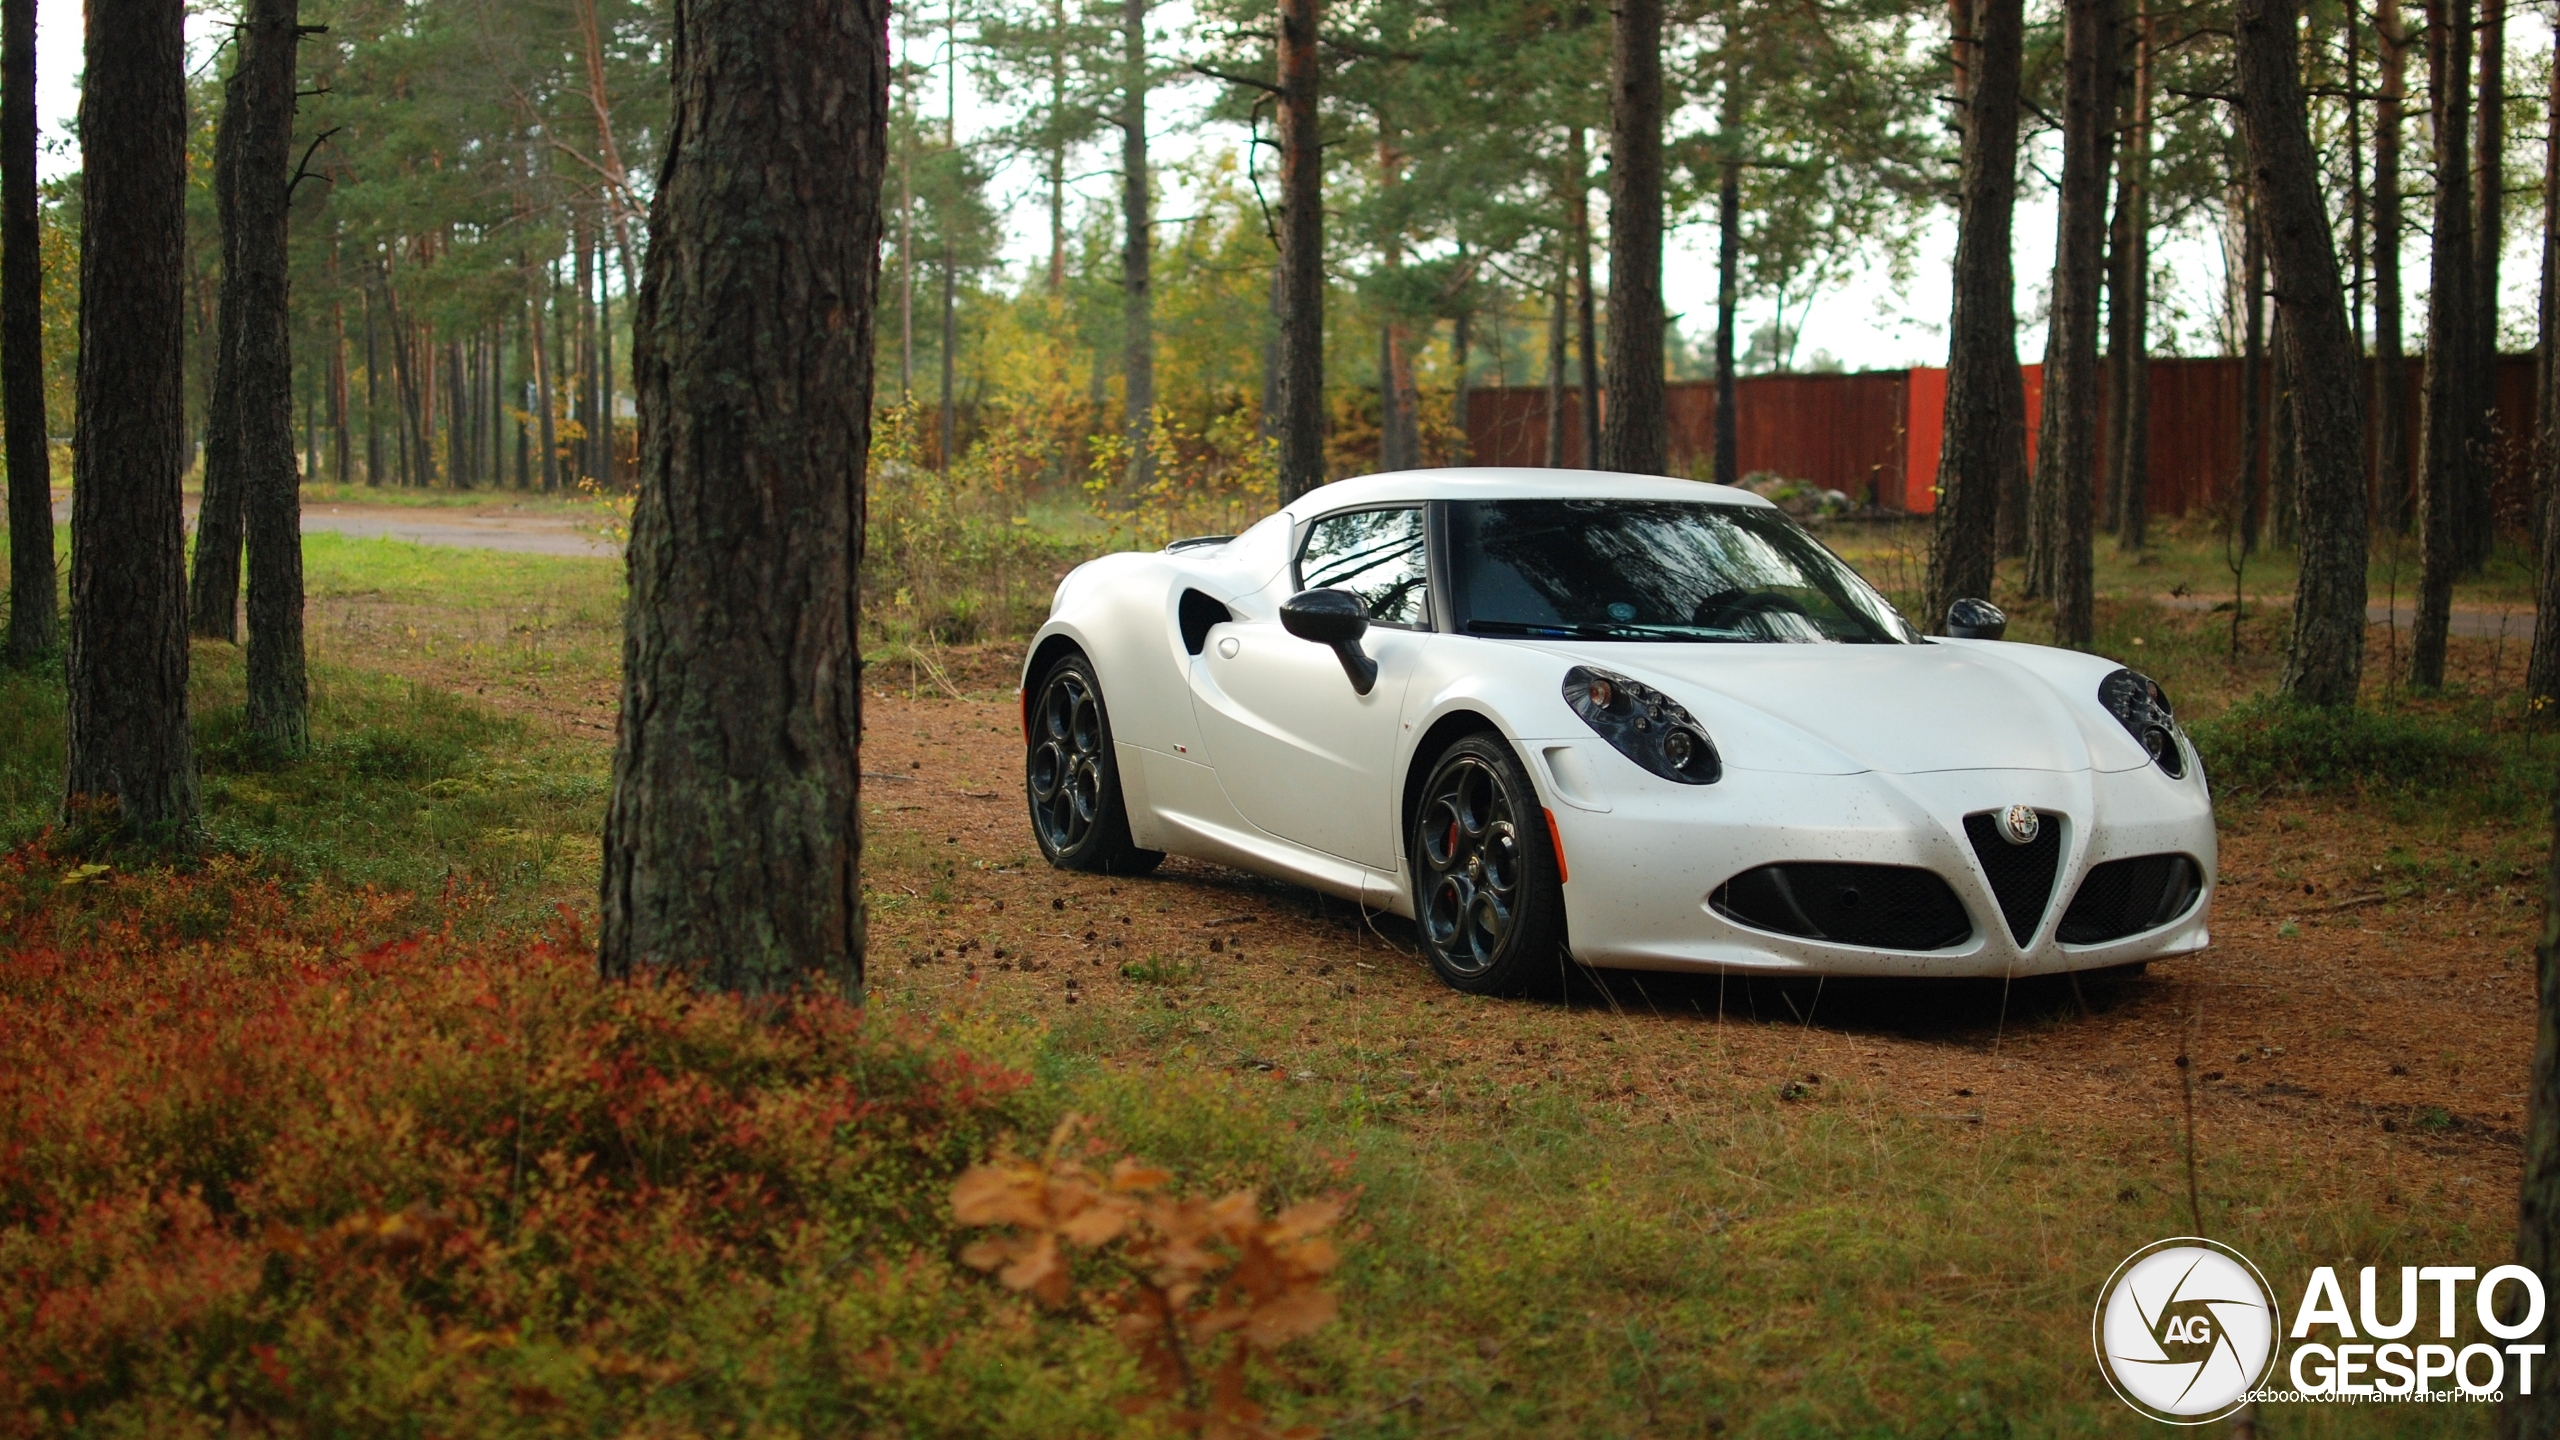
1663,1206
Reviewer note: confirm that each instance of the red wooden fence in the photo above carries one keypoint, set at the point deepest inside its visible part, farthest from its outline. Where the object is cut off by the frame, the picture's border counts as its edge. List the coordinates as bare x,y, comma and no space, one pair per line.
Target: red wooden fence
1874,435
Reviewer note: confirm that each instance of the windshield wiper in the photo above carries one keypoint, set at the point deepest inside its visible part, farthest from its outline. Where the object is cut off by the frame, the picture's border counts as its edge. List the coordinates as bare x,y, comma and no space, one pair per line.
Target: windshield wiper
1613,631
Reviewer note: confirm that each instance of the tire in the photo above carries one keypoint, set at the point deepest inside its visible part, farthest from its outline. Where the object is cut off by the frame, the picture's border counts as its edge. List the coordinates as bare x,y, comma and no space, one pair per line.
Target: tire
1486,901
1071,777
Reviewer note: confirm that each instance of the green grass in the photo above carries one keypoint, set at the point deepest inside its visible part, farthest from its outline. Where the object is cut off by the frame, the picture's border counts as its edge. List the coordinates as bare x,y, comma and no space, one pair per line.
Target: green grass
1533,1261
406,788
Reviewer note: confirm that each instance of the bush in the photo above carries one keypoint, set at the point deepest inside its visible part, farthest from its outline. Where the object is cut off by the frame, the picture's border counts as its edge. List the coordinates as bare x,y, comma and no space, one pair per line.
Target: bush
265,1163
2272,746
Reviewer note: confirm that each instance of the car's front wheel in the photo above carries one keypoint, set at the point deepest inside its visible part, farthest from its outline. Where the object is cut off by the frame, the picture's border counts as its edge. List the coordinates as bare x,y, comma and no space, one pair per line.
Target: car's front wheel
1486,897
1071,776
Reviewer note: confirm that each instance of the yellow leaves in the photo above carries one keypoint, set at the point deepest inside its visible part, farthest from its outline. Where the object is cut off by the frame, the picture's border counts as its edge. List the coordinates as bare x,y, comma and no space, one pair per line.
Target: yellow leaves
1191,1273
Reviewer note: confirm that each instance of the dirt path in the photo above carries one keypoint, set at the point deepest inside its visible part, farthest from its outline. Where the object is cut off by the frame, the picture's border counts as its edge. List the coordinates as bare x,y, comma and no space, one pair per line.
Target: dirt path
2366,1007
494,526
2386,1038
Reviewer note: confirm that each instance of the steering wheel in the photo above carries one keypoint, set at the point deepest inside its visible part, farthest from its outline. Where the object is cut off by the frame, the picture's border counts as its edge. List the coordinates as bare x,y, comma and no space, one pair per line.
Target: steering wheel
1727,609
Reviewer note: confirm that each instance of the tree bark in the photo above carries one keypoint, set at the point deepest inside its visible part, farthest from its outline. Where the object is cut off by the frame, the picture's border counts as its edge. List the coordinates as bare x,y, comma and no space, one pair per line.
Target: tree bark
372,394
546,431
1555,364
2450,393
1461,332
1302,464
733,837
261,401
2542,673
2390,374
1728,455
2249,491
590,425
1586,301
35,627
213,596
2129,341
1399,407
2529,1417
2488,237
127,671
1982,450
2067,457
1635,436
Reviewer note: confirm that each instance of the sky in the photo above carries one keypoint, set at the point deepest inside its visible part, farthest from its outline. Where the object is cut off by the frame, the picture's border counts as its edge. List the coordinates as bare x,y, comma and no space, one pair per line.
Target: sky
1866,322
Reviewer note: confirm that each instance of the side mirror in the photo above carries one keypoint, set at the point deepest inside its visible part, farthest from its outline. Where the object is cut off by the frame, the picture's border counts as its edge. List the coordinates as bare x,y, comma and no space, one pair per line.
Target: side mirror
1971,619
1335,618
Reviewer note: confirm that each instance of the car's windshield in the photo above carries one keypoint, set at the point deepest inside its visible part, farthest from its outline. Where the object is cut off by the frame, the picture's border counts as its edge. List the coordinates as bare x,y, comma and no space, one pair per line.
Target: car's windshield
1656,570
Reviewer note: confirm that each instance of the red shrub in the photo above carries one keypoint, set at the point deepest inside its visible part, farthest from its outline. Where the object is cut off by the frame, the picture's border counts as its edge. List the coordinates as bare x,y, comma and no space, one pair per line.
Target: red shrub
263,1165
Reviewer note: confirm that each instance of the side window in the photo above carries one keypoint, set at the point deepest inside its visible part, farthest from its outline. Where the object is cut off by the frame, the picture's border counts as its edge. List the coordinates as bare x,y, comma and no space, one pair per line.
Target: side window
1376,555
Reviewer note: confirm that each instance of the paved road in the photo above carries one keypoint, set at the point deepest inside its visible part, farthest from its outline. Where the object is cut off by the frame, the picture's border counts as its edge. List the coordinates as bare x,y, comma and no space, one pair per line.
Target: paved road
491,527
2473,622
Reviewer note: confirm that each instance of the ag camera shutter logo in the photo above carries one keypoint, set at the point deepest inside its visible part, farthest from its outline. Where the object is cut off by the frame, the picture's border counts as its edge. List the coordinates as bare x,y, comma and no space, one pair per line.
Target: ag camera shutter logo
2186,1330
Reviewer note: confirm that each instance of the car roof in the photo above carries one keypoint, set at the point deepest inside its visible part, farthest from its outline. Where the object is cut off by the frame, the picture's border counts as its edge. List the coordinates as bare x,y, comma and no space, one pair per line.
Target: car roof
1508,483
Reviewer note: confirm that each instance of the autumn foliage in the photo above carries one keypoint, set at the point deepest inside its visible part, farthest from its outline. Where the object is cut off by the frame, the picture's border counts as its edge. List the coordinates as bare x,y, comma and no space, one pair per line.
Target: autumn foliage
1200,1288
268,1163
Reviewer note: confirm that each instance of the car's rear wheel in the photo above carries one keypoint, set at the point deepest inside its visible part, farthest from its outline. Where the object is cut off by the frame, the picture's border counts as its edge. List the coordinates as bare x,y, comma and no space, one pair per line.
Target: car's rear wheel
1486,898
1071,776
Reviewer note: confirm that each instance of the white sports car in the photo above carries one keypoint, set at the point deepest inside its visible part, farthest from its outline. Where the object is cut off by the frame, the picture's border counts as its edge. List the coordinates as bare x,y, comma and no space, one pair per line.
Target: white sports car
1647,723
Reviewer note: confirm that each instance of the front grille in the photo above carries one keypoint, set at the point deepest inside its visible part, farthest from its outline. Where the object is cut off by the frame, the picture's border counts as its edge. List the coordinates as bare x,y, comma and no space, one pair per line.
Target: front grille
2127,897
1888,907
2021,875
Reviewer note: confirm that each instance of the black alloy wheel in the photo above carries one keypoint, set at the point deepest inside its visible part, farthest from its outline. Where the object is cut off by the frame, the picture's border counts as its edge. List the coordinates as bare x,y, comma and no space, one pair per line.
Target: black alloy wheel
1486,899
1071,776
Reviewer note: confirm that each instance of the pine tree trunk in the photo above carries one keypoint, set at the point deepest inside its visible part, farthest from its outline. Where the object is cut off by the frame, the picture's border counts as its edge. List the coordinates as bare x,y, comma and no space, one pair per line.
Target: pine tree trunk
733,837
340,454
542,401
1302,463
2067,460
1137,249
2450,394
584,357
1586,304
2129,449
35,629
2390,372
2044,513
372,395
213,596
2249,492
2535,1416
1270,427
1728,455
1983,447
2488,237
1399,407
2542,673
2328,652
1057,150
127,670
1635,435
262,375
1555,364
1461,332
2284,473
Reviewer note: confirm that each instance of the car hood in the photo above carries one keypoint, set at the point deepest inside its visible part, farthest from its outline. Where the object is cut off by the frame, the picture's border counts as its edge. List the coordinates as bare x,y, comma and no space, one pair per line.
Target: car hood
1899,709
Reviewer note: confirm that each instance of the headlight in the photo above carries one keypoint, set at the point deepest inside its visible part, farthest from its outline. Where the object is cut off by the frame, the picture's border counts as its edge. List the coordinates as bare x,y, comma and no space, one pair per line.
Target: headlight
1644,724
2142,708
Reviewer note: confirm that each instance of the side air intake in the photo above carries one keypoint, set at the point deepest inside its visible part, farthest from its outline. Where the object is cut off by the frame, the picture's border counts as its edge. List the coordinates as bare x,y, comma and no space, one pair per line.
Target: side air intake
1886,907
2127,897
2021,875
